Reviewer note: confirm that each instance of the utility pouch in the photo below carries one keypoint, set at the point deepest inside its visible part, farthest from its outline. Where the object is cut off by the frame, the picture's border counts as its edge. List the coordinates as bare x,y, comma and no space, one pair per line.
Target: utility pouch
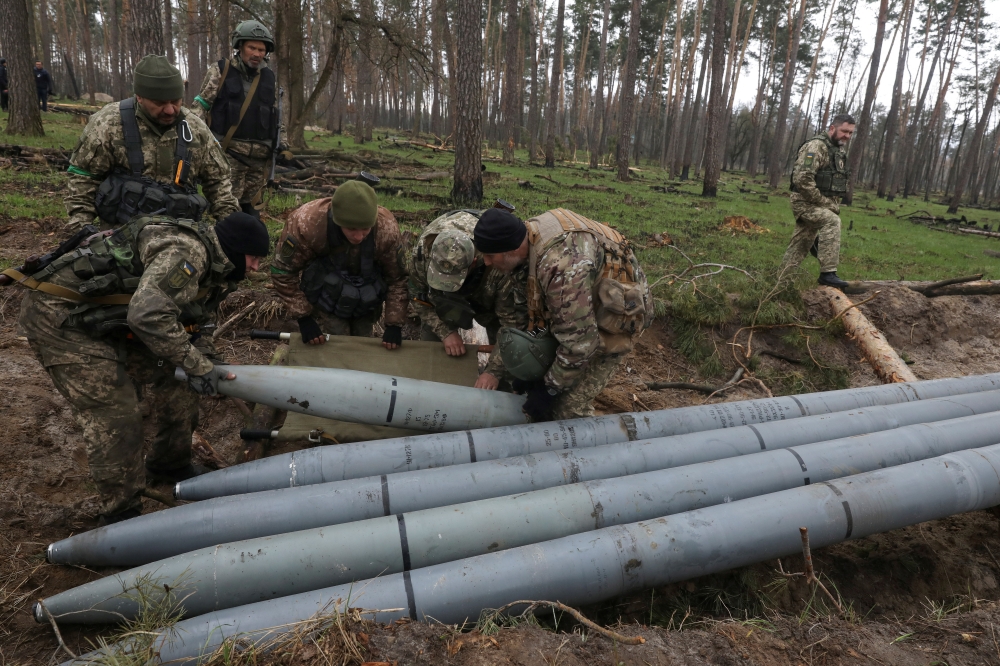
620,312
824,183
102,285
347,304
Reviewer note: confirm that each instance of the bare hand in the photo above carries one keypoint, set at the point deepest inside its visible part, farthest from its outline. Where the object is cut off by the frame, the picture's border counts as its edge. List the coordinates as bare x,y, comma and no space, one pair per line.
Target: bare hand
453,345
390,345
229,377
318,340
487,382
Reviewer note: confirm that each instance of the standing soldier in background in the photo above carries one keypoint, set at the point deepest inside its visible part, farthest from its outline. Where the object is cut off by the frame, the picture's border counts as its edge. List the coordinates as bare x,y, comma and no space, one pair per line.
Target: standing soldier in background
147,154
43,85
587,301
336,263
4,85
819,180
238,102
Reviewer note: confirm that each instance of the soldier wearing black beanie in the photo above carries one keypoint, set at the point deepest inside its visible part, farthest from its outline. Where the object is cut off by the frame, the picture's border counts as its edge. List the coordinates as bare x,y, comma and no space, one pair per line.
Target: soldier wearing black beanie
242,235
498,231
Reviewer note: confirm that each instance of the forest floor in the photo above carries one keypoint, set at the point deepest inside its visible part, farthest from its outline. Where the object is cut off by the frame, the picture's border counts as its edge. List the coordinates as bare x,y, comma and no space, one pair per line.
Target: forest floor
926,594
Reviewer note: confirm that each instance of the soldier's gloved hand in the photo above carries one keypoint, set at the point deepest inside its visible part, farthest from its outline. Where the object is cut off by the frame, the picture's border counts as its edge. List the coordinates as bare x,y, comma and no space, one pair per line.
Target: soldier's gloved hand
539,404
208,383
311,333
393,337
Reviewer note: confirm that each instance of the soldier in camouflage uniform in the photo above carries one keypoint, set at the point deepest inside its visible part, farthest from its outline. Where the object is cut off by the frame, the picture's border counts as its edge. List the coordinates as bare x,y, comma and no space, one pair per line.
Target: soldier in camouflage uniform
450,286
819,180
579,283
248,131
336,263
95,342
102,160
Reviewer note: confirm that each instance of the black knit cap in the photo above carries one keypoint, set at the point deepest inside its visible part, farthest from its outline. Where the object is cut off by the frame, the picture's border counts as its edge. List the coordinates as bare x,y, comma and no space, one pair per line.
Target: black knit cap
239,235
498,231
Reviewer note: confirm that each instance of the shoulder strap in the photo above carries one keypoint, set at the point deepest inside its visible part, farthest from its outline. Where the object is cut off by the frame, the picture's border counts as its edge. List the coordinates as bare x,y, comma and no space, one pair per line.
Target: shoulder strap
133,140
217,265
243,110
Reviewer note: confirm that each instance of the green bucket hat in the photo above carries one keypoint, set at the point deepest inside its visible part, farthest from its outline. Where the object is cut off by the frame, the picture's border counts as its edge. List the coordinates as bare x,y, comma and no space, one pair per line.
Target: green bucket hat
156,79
452,253
354,206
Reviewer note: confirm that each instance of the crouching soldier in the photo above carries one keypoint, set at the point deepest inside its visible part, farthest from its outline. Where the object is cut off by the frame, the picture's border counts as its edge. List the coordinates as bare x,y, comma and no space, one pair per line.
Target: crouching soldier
587,301
336,263
131,303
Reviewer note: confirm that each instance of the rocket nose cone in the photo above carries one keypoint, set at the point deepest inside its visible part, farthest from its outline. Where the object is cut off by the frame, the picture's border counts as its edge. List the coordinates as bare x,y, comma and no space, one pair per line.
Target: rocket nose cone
177,490
36,610
49,553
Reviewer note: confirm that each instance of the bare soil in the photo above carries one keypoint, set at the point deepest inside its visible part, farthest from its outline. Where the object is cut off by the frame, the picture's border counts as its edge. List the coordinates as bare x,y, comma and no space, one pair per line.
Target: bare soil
921,595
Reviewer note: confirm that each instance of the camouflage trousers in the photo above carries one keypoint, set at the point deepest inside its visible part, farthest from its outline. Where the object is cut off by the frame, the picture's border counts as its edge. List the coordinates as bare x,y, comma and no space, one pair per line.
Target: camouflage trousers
357,326
249,175
578,402
103,400
810,222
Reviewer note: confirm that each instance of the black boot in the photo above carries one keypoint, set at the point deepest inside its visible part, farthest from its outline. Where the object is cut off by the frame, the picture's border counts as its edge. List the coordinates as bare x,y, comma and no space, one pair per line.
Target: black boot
830,279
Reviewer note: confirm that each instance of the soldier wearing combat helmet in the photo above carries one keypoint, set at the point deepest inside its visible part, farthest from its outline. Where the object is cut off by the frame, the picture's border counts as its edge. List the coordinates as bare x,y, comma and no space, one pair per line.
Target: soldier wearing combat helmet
586,299
336,264
819,180
238,101
450,286
147,155
128,307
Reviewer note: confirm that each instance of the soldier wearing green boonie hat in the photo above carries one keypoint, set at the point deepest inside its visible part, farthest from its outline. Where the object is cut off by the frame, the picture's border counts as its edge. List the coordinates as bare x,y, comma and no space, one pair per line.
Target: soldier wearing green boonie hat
335,265
451,288
153,147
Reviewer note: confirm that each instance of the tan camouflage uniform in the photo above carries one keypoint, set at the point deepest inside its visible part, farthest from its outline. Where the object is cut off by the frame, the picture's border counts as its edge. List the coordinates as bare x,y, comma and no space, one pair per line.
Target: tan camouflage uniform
815,214
249,161
101,149
566,274
307,224
87,372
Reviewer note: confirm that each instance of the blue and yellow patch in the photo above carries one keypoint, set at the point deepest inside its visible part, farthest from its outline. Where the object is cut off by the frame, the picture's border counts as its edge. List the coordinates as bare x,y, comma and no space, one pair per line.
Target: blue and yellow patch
179,275
809,159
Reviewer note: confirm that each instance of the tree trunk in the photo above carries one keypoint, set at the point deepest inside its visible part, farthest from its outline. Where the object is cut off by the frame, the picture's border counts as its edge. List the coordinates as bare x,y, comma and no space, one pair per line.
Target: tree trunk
864,123
195,66
533,100
977,141
627,104
168,29
435,67
468,186
776,163
892,120
224,28
510,83
716,103
597,127
552,111
145,29
288,29
88,52
692,129
25,118
762,86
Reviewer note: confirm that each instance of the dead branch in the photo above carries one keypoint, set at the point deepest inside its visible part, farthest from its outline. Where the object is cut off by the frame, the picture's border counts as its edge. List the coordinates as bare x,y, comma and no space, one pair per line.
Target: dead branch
811,573
235,319
594,188
543,177
204,450
157,496
593,626
687,386
778,355
55,628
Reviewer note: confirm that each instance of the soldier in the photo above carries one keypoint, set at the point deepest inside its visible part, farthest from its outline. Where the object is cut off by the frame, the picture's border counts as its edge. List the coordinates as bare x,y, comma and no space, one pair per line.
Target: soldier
43,85
238,101
450,286
586,299
147,155
335,264
131,304
4,84
819,180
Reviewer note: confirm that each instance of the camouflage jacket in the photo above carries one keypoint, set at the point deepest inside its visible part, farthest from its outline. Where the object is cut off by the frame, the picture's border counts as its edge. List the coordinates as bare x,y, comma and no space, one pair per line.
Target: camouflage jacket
206,98
814,155
153,312
510,304
101,150
307,225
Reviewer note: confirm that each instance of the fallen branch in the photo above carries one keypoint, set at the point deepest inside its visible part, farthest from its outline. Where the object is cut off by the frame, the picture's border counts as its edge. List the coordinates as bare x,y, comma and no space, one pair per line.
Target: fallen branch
811,573
232,321
157,496
593,626
778,355
55,628
204,450
543,177
701,388
594,188
964,286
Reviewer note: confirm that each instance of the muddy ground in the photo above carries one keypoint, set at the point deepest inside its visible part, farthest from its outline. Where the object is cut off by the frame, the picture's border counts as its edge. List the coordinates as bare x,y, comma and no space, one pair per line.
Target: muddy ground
926,594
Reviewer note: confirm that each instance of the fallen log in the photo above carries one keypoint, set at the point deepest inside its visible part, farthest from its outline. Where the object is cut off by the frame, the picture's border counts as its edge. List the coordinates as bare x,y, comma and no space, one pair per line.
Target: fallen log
970,285
319,170
421,144
887,364
594,188
423,177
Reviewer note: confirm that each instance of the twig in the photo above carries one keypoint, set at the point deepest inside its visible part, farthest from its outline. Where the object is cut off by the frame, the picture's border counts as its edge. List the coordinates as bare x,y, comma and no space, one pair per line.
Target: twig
783,357
944,283
659,386
607,633
538,175
809,349
235,319
810,572
159,497
55,628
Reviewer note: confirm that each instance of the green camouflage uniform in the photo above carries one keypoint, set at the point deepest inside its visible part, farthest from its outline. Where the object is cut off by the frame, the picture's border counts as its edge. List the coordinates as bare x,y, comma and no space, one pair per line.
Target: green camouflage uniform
101,149
93,373
249,161
815,212
478,289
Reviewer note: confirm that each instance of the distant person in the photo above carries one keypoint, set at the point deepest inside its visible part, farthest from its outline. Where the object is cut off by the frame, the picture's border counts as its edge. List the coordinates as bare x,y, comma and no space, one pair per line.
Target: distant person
819,180
4,96
43,85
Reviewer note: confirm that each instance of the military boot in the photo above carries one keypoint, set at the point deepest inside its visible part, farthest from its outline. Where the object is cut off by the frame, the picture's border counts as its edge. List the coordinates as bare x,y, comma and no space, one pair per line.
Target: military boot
830,279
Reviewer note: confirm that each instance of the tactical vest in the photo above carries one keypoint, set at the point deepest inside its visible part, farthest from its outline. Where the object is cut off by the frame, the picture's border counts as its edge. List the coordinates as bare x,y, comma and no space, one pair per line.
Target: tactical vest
260,120
108,266
334,286
621,300
831,180
123,195
456,309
